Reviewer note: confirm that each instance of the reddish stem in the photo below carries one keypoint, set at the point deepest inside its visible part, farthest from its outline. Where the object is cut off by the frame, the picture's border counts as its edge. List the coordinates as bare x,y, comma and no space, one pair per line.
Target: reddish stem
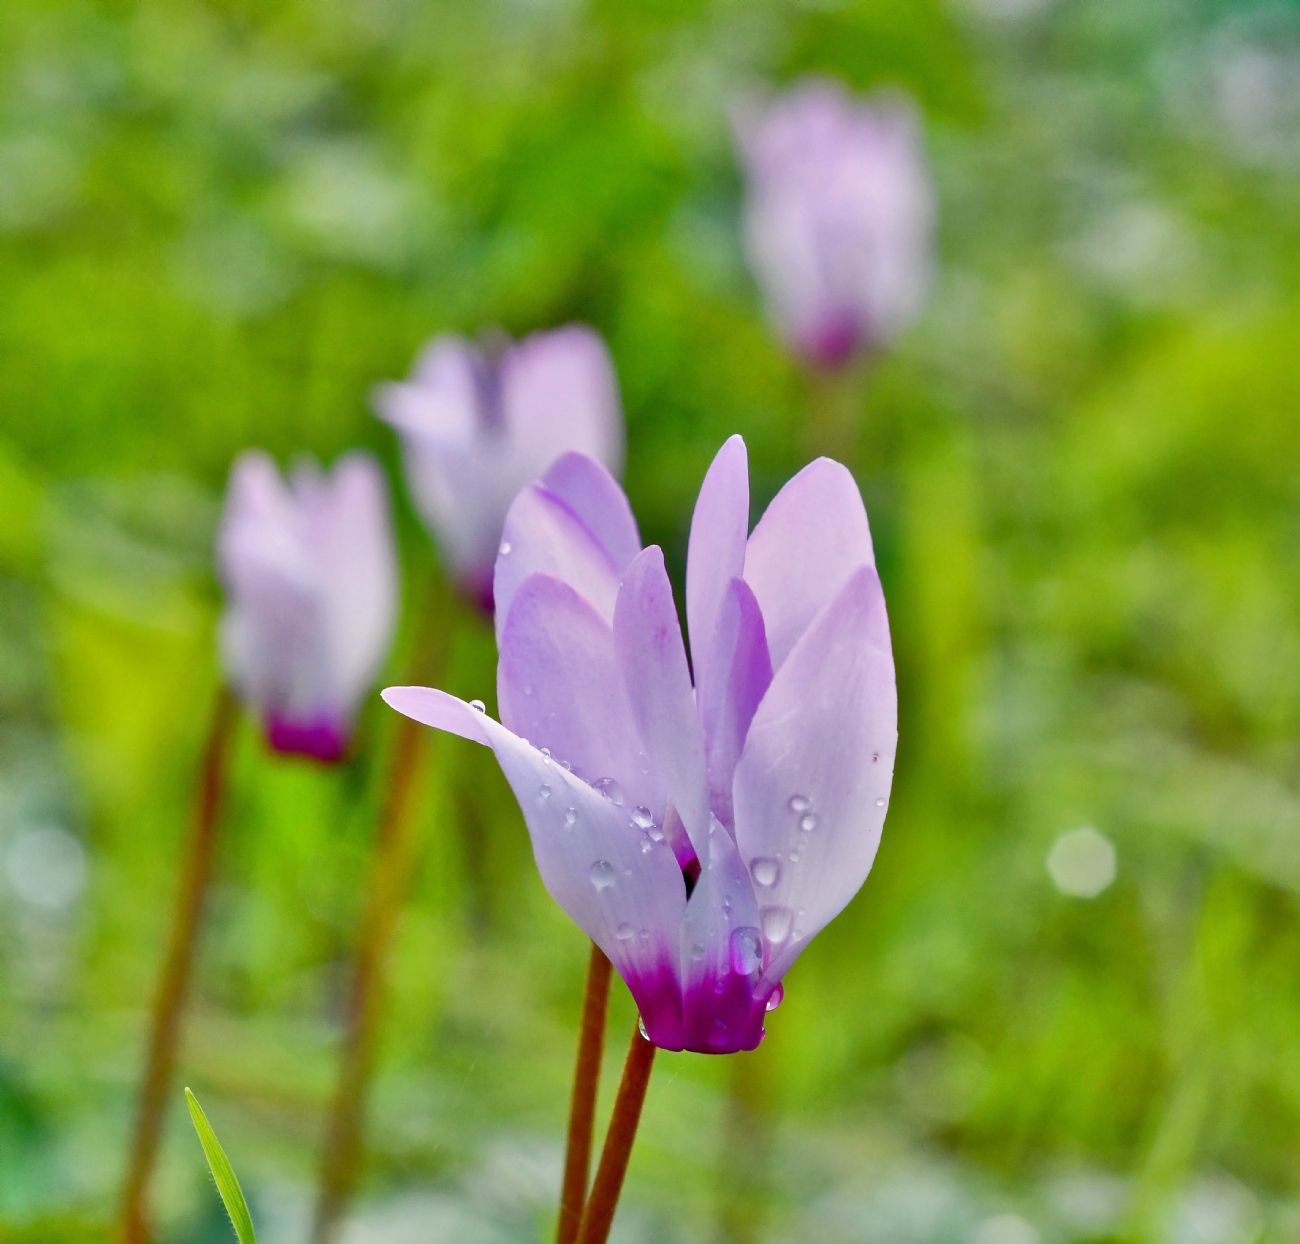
169,1003
389,876
582,1105
598,1214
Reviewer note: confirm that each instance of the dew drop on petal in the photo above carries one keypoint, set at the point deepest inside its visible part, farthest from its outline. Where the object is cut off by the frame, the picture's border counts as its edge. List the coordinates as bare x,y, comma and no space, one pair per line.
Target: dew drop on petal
746,951
570,817
610,789
655,834
478,706
602,874
640,1027
544,794
565,765
504,550
880,803
799,803
623,932
644,935
776,924
808,822
875,758
776,997
528,690
767,872
697,951
641,817
647,845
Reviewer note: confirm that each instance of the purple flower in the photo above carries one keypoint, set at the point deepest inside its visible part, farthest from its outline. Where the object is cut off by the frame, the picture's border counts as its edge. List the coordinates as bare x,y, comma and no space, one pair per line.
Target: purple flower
311,582
701,835
475,430
839,217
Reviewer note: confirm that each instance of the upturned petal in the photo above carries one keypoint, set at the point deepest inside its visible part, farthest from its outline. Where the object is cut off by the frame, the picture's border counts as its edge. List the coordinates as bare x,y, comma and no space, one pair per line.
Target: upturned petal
813,536
812,785
593,494
716,553
652,657
621,887
560,687
544,536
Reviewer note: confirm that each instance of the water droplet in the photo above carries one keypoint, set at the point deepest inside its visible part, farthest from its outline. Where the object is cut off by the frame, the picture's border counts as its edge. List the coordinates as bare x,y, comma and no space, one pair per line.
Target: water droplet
746,951
570,817
602,874
544,794
766,872
623,932
776,924
647,845
640,1027
644,935
880,803
528,690
875,758
808,822
776,997
655,834
504,550
478,706
697,951
641,817
546,756
610,789
799,803
718,1033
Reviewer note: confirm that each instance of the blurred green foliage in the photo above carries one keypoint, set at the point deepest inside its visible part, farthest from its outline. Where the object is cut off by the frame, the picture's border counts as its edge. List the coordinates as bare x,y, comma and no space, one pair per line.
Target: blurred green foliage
221,223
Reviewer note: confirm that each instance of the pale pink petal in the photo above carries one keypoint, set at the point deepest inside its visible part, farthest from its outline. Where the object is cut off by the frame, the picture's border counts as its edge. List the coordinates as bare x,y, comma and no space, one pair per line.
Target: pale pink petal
812,784
648,641
813,536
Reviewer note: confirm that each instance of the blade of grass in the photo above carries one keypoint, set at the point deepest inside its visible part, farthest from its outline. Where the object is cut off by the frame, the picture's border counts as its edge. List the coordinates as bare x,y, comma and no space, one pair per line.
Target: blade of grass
222,1172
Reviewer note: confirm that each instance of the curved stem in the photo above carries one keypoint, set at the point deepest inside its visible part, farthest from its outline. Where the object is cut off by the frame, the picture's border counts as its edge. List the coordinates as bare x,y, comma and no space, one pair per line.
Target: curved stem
169,1003
582,1105
598,1214
389,875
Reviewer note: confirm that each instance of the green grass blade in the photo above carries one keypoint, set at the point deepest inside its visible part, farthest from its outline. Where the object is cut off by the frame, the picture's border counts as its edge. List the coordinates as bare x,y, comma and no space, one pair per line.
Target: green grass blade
231,1193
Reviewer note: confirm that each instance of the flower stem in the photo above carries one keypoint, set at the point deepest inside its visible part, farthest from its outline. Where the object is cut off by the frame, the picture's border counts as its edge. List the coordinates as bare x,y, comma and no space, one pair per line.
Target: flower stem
169,1003
390,870
582,1105
598,1214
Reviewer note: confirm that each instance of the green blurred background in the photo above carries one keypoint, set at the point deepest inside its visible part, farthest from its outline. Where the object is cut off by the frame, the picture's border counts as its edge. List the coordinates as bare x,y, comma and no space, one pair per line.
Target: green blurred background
222,222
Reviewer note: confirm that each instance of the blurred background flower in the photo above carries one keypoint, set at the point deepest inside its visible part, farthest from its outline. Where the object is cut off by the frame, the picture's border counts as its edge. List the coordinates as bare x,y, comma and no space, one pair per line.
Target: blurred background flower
222,225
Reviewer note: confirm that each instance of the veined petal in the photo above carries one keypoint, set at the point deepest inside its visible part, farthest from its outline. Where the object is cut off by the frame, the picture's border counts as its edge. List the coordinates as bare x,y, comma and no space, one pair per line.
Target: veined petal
593,494
735,679
812,784
716,553
544,536
813,536
648,641
623,889
722,955
560,687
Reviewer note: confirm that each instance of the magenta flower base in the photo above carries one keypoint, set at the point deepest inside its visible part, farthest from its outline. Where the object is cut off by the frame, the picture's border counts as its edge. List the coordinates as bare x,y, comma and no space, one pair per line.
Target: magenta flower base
325,741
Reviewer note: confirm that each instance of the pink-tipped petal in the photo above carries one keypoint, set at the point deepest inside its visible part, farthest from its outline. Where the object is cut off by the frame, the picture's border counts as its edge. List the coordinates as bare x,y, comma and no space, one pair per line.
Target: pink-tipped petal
813,536
559,686
544,536
592,493
716,553
622,888
812,784
722,955
648,641
736,677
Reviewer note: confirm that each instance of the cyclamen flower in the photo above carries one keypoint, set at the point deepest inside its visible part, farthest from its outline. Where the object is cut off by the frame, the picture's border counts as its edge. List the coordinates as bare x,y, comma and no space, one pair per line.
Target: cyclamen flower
700,835
839,217
311,580
475,430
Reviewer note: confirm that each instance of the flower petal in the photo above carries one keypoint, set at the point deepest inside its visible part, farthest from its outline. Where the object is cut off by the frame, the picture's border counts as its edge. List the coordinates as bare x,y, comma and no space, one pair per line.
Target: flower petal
716,553
623,889
560,687
813,782
722,955
648,641
544,536
813,536
736,677
593,494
